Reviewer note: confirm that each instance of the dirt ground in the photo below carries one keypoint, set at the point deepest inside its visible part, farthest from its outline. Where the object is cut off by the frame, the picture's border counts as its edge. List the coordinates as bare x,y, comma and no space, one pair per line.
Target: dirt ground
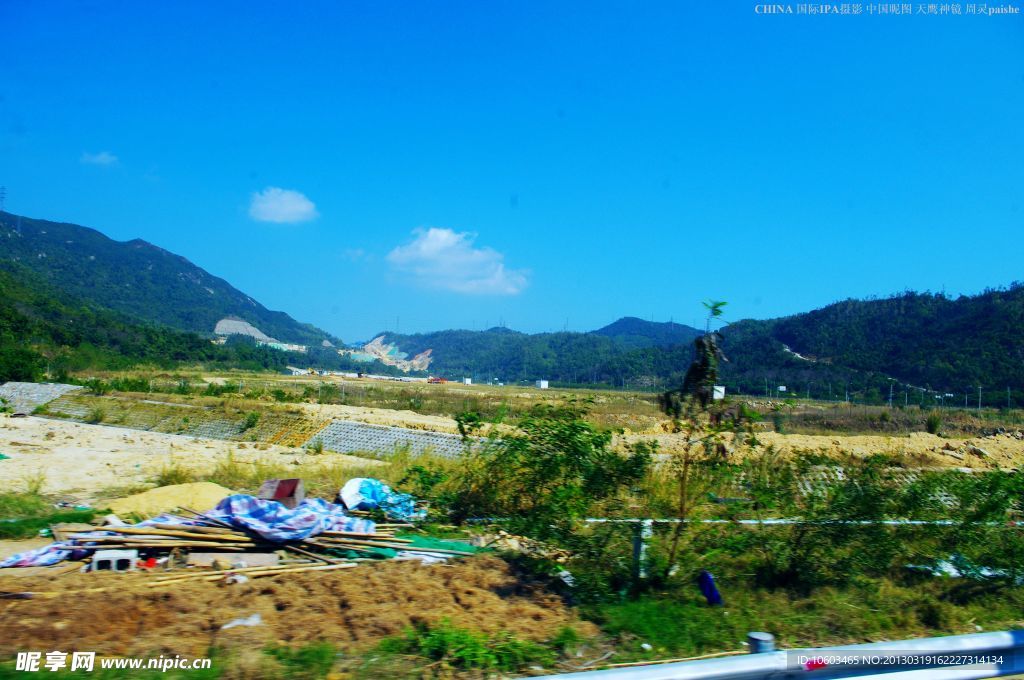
351,607
996,451
79,462
382,416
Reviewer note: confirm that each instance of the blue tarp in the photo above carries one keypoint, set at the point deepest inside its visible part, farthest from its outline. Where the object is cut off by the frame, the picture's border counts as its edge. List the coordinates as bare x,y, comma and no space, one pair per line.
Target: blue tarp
363,493
269,519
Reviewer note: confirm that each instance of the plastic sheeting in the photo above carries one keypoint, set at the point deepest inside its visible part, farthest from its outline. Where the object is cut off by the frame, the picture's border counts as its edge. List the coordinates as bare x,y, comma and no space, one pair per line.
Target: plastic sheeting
362,493
269,519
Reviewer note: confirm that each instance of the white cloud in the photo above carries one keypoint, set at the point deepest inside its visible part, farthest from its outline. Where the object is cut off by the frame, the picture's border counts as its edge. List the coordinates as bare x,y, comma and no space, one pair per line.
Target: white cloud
274,204
101,158
446,259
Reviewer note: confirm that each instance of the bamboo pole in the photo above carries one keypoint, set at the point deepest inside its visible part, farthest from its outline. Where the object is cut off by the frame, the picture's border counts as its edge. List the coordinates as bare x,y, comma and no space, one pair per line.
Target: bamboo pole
352,534
320,558
196,528
266,571
402,546
200,572
143,531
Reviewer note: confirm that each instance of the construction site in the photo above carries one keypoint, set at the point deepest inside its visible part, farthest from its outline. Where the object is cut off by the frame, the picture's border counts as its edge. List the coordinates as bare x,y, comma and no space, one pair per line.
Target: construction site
182,468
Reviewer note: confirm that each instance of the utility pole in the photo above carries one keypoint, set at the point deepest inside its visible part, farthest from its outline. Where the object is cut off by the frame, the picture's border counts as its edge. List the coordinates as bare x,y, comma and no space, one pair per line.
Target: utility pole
3,197
1007,397
979,397
890,394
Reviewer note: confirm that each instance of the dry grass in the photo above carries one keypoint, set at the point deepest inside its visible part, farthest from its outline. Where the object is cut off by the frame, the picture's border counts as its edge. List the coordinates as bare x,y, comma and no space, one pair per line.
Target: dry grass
323,475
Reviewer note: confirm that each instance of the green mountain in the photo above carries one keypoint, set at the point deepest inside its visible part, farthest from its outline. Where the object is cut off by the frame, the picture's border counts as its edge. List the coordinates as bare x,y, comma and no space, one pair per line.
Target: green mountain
921,340
71,295
138,279
43,329
919,343
630,351
632,333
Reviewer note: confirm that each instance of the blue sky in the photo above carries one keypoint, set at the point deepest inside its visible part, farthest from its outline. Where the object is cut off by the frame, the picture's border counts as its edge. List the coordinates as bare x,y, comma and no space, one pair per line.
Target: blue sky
367,165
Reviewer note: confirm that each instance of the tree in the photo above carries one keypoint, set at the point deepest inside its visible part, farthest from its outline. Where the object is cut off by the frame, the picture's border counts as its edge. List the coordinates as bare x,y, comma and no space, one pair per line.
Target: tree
704,429
546,477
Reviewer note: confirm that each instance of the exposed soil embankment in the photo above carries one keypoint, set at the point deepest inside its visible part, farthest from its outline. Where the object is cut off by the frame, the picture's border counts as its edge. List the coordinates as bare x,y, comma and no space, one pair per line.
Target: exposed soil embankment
354,608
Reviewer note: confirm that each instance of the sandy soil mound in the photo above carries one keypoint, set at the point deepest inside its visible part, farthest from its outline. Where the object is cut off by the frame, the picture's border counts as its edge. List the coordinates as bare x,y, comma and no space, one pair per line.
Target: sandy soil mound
197,496
81,461
382,416
352,607
996,451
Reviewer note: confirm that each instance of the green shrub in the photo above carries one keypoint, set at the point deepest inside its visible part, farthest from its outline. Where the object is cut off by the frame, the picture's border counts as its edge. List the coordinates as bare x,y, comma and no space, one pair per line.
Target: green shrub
174,473
95,416
466,650
251,419
547,476
28,527
311,661
96,387
933,423
15,505
131,384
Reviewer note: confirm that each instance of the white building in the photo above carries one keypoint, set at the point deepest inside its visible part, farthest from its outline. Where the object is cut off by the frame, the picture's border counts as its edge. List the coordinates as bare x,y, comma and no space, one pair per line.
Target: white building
542,384
467,381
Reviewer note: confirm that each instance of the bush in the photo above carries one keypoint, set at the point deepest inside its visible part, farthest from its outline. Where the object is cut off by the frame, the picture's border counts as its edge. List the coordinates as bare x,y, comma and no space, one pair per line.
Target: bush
312,661
174,473
15,505
464,649
933,423
130,384
95,416
251,419
547,476
838,537
96,387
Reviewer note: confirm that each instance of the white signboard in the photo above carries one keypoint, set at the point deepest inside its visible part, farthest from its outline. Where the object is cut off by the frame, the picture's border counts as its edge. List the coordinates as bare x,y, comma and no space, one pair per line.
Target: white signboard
718,392
782,388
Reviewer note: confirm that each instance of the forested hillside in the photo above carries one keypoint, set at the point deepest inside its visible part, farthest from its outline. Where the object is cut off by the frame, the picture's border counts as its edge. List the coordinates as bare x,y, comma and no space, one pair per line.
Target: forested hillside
73,298
42,328
921,343
630,332
506,355
139,279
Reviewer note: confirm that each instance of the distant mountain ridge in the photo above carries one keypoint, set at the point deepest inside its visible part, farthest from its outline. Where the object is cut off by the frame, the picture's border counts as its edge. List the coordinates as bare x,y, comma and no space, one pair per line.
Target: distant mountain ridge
139,279
121,296
45,332
930,341
919,343
635,333
628,347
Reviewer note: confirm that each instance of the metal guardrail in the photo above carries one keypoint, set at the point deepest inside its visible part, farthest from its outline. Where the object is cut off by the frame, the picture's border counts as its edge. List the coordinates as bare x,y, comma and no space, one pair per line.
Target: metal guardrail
954,657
